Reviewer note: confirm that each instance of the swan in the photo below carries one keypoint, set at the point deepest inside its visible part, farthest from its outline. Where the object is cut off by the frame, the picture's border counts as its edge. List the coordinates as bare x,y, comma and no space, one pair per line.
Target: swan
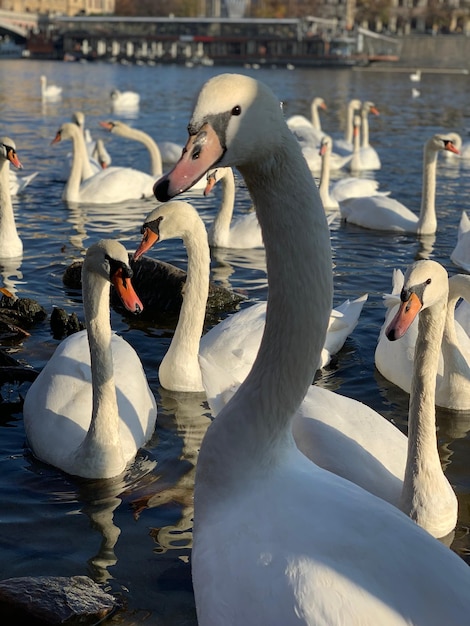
345,145
269,523
314,125
124,100
385,213
101,155
113,184
233,342
225,231
10,242
344,188
90,418
415,77
367,155
122,129
50,92
90,164
460,255
395,361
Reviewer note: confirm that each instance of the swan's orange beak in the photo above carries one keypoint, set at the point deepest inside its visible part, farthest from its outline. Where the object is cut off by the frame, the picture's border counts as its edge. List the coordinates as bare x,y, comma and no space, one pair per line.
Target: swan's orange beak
406,314
126,292
107,125
374,110
448,145
149,238
202,151
211,181
57,138
13,158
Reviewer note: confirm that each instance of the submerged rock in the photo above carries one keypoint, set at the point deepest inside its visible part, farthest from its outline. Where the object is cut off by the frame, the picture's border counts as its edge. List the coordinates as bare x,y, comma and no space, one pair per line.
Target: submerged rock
69,601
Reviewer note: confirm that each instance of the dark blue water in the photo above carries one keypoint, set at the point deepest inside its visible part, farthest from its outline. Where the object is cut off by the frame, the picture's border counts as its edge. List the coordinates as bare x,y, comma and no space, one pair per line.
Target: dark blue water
134,533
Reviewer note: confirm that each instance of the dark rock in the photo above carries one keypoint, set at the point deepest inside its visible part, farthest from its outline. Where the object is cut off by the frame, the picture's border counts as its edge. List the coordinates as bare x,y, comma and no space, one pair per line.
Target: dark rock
69,601
64,324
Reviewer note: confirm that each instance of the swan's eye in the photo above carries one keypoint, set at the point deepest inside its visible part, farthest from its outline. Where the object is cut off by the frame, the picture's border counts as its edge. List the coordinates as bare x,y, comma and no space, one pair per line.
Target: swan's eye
428,282
237,110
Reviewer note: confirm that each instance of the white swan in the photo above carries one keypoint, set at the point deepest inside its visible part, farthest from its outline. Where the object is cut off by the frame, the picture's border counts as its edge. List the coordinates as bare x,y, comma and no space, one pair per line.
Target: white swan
415,77
395,361
460,255
385,213
124,100
367,157
314,124
225,231
345,146
344,188
90,418
110,185
10,242
122,129
50,92
19,183
269,523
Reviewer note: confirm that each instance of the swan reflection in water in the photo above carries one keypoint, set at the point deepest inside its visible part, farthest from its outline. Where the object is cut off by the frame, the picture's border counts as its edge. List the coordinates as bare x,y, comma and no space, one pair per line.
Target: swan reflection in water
183,418
11,274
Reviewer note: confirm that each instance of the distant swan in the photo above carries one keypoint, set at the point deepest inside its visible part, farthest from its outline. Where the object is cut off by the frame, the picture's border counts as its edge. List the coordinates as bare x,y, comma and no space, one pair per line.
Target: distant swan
269,523
50,92
124,99
110,185
385,213
344,188
89,418
10,242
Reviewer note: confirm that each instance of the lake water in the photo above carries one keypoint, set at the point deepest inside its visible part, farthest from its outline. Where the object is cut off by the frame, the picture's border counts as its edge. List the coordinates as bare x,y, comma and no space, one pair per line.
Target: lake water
134,533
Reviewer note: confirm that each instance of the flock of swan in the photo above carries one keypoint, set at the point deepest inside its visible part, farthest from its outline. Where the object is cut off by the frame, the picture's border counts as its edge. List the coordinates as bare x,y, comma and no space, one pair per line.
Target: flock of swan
333,513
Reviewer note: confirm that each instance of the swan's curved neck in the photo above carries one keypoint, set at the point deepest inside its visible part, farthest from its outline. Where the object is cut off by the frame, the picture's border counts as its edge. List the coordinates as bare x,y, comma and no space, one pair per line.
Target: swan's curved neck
427,222
181,358
423,472
324,186
254,427
8,232
156,167
315,116
348,135
355,164
220,227
71,191
102,440
365,128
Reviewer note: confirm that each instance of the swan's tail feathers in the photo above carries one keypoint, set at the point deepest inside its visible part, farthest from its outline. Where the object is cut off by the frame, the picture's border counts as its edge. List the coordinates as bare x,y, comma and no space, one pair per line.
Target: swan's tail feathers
219,384
398,280
343,320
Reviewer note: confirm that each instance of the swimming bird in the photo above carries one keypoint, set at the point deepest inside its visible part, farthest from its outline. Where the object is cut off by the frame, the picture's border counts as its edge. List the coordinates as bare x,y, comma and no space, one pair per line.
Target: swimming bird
460,255
10,242
308,541
50,92
396,361
386,213
107,186
91,409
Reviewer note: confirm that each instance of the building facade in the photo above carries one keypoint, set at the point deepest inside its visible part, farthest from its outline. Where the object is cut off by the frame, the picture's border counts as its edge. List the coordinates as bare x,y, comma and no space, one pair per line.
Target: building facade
61,7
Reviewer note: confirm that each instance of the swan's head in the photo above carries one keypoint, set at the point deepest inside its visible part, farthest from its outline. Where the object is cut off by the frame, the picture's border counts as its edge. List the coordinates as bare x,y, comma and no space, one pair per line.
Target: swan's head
369,107
66,131
109,259
442,142
115,126
171,220
8,151
426,284
236,122
78,118
326,145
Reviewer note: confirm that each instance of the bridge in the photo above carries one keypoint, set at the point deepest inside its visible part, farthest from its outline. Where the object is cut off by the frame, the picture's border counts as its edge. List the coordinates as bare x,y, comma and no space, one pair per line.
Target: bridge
18,25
